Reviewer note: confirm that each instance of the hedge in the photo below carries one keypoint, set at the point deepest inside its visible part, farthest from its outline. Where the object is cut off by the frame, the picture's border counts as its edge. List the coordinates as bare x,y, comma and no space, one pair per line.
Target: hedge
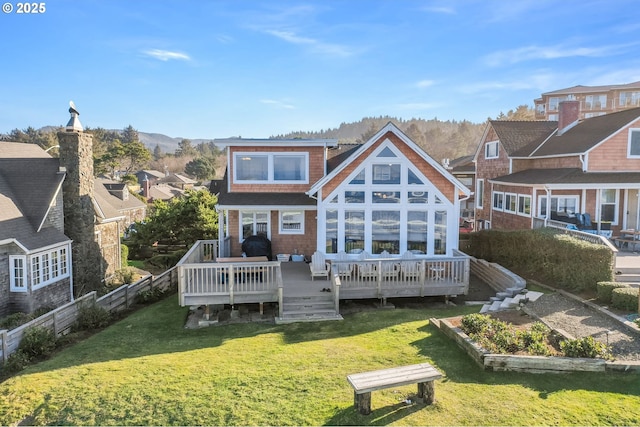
625,299
546,255
604,290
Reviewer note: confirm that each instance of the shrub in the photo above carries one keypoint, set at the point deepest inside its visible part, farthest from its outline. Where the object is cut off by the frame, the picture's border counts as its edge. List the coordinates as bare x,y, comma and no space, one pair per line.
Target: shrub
605,289
37,342
92,316
14,320
150,295
16,362
625,299
124,253
585,347
475,323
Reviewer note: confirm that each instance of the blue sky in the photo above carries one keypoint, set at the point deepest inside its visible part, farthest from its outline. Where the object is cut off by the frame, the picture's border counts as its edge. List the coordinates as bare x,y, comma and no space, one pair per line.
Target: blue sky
214,69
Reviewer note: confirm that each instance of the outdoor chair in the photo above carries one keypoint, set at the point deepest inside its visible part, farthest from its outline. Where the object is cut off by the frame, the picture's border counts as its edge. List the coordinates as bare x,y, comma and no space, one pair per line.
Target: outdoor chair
366,270
389,270
344,268
410,266
319,266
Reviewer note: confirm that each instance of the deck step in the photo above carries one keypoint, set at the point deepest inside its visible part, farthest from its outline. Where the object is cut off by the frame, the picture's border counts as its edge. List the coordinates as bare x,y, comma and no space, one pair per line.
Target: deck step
495,306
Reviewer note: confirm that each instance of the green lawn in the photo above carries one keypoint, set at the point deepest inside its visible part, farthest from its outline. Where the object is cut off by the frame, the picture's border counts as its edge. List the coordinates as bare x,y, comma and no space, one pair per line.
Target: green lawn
148,370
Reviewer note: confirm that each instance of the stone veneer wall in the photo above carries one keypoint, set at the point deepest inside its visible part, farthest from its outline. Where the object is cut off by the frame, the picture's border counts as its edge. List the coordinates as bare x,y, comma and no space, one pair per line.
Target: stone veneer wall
76,155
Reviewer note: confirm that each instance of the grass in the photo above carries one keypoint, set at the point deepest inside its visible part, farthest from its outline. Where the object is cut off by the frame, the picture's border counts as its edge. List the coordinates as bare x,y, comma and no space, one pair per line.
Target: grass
136,263
148,370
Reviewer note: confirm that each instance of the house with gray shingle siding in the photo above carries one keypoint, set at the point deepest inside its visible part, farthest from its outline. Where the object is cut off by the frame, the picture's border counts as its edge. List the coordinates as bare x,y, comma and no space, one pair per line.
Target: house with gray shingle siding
559,170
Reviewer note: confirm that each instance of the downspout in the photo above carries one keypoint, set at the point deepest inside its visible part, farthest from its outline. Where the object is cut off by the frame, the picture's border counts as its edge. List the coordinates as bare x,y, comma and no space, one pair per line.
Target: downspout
548,213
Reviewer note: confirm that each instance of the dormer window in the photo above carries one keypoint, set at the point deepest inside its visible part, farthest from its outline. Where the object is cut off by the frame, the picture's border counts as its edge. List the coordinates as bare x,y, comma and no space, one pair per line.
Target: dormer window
277,168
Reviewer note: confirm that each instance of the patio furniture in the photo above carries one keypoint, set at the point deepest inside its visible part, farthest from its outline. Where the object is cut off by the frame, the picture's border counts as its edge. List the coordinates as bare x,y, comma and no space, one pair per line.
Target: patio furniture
366,270
364,383
319,266
410,266
389,270
344,268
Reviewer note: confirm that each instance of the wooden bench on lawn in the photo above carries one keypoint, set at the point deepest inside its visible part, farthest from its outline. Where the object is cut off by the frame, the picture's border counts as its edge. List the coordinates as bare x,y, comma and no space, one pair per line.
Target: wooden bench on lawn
364,383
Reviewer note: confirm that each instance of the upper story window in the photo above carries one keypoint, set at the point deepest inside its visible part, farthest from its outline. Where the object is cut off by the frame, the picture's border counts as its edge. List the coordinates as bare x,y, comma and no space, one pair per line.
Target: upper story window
553,103
271,167
633,149
629,99
386,174
491,150
595,102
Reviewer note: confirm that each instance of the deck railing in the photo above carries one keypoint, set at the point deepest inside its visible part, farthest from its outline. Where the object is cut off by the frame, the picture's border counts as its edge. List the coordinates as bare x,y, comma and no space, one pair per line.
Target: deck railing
229,283
201,251
562,227
377,278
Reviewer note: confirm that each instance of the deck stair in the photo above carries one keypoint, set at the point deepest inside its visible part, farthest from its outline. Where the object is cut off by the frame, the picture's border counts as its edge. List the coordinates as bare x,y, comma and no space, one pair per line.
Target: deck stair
628,274
309,308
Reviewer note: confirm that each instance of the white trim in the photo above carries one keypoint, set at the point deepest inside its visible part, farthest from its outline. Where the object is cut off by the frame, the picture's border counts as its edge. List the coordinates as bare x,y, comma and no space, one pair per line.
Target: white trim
64,270
495,143
254,212
493,201
295,231
629,138
12,271
479,200
524,196
55,195
266,207
513,196
271,170
255,142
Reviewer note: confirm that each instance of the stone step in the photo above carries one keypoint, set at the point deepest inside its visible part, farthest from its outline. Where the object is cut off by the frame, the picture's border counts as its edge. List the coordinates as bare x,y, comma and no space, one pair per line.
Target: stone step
308,317
485,308
495,306
628,278
303,307
508,303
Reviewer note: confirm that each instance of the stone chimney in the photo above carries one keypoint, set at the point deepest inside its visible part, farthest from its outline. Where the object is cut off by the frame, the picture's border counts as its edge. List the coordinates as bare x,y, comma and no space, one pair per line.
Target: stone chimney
568,115
146,187
76,156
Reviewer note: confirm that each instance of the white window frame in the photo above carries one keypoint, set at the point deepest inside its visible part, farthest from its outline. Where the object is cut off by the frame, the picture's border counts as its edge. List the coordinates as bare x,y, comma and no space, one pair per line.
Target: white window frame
548,213
237,157
283,230
44,272
500,195
508,197
633,131
495,144
14,278
479,193
616,206
523,197
253,213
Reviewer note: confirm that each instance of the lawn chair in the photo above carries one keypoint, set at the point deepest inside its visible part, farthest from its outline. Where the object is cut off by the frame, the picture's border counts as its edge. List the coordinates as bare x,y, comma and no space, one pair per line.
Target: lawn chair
410,266
344,269
366,270
586,221
319,266
389,270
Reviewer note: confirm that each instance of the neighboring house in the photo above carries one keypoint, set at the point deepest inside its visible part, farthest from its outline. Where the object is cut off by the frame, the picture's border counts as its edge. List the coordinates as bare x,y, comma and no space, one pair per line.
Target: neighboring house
178,181
384,195
529,171
35,254
150,175
594,100
160,192
464,170
116,194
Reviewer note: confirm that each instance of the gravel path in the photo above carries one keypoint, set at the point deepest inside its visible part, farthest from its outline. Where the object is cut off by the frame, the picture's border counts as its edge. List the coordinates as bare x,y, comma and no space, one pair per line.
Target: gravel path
580,320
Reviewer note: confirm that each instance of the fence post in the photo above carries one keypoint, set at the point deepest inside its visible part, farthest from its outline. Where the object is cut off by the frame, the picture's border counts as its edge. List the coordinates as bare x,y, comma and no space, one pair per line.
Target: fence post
3,336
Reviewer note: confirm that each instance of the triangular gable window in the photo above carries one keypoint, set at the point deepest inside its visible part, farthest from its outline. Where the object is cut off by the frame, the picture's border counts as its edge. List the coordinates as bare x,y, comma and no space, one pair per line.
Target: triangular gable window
358,179
412,178
386,152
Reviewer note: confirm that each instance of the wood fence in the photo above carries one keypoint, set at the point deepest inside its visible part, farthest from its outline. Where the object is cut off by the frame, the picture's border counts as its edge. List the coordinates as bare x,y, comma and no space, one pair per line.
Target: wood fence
62,319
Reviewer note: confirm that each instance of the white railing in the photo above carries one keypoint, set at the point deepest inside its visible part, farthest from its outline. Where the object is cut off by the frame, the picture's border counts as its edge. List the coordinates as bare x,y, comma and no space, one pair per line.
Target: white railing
395,274
201,251
229,283
562,227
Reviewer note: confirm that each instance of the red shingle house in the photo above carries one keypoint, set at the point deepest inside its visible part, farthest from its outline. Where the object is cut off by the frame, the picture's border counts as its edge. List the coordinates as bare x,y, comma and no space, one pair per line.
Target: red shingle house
386,194
527,171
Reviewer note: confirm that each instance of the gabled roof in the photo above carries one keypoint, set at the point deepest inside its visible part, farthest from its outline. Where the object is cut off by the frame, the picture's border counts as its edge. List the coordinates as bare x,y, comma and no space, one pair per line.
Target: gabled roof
30,181
176,177
462,165
520,138
586,134
357,151
111,204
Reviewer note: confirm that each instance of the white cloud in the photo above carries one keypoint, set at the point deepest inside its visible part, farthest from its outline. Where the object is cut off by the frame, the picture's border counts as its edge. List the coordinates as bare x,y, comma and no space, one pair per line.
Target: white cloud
316,45
278,104
530,53
440,9
422,84
166,55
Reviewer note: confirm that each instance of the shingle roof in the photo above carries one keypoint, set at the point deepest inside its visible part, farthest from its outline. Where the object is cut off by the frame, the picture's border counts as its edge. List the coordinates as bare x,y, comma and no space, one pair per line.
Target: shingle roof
520,138
587,134
29,182
260,199
590,89
569,176
462,164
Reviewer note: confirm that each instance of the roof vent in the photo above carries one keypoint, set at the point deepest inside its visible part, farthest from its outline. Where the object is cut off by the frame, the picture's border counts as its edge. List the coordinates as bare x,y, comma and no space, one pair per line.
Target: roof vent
74,124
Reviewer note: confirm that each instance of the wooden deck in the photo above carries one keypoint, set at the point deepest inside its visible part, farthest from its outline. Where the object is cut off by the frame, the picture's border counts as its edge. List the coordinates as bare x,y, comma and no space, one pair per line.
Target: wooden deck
204,281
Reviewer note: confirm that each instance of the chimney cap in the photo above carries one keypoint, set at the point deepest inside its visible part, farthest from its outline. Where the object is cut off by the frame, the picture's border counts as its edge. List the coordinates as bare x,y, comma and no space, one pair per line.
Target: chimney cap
74,124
